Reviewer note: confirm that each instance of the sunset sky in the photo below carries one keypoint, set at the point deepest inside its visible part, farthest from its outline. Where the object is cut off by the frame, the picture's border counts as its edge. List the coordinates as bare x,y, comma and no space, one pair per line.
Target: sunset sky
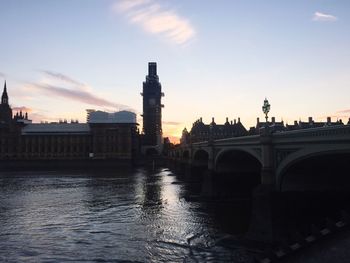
215,58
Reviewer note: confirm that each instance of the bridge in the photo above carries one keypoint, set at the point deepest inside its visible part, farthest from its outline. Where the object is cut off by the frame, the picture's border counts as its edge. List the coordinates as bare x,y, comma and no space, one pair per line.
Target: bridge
268,167
273,157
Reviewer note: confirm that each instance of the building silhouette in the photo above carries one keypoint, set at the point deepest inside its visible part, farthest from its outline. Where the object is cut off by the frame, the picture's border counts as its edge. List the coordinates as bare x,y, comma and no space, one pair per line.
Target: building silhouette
5,109
279,126
102,138
152,110
205,132
201,132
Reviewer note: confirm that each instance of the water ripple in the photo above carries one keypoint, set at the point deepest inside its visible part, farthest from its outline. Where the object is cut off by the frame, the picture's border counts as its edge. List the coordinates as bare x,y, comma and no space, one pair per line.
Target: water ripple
125,216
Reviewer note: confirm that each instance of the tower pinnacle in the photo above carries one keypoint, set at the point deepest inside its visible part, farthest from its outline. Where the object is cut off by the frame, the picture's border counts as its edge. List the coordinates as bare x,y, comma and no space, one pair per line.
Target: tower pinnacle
4,97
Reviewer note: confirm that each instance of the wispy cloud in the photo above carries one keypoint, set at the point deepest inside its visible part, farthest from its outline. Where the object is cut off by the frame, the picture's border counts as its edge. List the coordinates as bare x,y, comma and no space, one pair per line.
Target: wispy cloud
171,123
318,16
126,5
22,108
344,111
36,115
339,115
58,85
62,77
157,20
76,95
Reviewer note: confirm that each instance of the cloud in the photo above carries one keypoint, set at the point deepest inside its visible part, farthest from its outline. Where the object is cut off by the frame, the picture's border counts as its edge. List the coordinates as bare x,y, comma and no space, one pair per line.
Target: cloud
318,16
344,111
126,5
172,123
76,95
156,20
62,77
36,115
63,86
22,108
2,75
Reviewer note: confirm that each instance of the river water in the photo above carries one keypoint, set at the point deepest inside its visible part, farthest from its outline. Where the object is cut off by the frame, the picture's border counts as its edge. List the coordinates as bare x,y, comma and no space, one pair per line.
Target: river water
120,216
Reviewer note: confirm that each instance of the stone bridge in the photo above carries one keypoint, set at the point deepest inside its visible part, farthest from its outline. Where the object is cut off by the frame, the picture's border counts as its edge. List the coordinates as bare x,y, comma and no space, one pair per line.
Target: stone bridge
275,157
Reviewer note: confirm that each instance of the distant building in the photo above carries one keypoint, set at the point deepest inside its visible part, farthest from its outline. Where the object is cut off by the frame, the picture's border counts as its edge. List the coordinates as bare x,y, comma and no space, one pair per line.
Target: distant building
312,124
152,111
205,132
276,126
106,117
105,136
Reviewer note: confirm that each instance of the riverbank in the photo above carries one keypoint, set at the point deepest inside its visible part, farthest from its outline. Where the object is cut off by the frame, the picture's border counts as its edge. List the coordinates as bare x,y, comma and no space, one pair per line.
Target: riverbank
152,162
83,164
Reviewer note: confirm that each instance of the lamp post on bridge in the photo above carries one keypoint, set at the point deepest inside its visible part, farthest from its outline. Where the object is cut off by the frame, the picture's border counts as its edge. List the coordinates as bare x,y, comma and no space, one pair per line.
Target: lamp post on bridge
266,109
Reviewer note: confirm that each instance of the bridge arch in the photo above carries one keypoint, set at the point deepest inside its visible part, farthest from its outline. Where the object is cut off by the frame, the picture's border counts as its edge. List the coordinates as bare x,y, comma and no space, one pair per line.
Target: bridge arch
238,171
246,152
314,168
200,158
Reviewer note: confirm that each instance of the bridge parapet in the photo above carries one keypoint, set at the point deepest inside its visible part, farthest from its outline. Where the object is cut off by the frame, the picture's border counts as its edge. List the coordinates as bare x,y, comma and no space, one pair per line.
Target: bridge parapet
329,132
234,140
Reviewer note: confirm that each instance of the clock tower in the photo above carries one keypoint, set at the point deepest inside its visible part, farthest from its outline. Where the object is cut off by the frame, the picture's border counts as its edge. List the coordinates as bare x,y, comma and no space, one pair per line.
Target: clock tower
152,108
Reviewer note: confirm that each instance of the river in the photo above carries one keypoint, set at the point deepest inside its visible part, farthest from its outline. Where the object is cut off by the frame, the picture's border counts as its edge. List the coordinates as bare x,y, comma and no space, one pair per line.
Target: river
118,216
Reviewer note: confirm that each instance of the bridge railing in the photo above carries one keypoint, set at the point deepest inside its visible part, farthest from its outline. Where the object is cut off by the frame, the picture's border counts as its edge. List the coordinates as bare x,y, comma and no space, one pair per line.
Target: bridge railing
314,132
243,139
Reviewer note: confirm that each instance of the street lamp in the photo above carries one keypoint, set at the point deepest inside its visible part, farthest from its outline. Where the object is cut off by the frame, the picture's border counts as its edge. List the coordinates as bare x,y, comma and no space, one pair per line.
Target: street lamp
266,108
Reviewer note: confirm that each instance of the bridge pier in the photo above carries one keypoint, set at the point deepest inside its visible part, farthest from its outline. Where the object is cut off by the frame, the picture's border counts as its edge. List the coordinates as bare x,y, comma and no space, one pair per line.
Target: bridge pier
267,171
207,183
267,216
267,205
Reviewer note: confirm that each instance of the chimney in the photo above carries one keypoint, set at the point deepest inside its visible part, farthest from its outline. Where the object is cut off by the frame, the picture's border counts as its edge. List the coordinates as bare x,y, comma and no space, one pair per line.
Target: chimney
329,120
239,119
226,119
295,122
200,119
273,120
234,121
257,120
310,120
231,123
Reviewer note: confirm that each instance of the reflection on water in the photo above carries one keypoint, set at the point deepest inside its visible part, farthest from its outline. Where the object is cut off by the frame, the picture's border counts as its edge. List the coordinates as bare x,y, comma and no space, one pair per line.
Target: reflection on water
137,216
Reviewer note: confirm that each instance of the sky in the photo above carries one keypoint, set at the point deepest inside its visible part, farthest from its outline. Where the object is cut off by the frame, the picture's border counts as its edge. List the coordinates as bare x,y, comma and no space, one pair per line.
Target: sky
215,58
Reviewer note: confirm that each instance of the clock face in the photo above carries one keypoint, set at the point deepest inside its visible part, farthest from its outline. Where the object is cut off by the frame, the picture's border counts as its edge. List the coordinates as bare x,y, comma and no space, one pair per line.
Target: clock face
152,102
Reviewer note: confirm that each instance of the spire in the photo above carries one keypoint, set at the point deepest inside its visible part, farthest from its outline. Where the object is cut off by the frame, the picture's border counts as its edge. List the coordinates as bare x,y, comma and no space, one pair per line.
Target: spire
4,97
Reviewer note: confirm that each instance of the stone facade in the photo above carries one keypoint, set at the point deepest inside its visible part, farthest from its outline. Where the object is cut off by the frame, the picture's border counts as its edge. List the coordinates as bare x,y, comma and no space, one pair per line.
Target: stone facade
22,140
205,132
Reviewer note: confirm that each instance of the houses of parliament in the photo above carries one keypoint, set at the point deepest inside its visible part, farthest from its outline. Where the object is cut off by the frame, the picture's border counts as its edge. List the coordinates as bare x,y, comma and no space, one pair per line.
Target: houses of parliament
113,136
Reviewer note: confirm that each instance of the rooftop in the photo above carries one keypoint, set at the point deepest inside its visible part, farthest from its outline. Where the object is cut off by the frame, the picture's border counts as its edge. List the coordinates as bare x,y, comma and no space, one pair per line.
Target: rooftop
56,128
